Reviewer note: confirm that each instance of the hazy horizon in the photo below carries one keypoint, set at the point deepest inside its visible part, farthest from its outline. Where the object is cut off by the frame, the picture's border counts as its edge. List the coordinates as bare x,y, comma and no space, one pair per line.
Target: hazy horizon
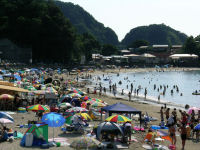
120,16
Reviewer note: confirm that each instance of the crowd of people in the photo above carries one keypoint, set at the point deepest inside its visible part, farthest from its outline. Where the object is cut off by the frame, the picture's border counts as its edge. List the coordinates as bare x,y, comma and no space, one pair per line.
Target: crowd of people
184,124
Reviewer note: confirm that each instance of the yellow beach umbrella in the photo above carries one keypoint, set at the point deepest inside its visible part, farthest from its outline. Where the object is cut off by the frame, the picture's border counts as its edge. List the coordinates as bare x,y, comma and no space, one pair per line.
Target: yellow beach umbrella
85,116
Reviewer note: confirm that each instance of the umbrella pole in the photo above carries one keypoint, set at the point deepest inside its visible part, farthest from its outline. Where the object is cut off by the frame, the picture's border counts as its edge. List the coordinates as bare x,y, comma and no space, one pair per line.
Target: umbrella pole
53,134
53,128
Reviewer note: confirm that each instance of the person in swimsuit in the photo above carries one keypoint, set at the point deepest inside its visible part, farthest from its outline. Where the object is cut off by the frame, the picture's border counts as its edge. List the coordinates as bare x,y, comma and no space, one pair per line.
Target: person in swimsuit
172,132
183,132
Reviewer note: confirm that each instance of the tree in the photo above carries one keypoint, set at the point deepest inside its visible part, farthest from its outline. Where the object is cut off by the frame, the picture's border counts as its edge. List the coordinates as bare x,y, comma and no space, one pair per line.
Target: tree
108,50
138,43
89,45
190,46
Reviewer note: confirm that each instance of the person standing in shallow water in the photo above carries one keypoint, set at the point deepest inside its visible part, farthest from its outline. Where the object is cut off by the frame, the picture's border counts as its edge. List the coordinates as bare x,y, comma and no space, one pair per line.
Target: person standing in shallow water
129,96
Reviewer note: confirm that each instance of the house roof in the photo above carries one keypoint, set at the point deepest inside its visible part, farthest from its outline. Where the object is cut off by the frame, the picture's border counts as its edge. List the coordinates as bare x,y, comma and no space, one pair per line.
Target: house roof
131,55
143,47
159,46
125,51
147,55
183,56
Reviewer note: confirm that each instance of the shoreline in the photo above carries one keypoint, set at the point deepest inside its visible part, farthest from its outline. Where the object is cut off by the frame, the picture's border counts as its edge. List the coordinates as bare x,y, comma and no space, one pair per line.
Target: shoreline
140,98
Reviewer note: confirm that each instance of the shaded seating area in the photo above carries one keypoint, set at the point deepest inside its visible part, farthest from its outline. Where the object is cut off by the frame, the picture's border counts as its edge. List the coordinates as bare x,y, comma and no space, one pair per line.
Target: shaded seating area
120,108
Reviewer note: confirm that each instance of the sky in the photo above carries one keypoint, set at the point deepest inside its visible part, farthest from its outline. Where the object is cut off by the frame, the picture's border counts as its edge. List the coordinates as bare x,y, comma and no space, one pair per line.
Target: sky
124,15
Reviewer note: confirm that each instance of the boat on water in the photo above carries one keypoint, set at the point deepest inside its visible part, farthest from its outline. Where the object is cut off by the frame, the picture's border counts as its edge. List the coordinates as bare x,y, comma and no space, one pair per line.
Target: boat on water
196,93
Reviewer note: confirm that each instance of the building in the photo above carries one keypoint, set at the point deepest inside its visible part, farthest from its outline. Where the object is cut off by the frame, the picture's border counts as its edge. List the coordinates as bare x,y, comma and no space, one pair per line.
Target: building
160,48
149,58
13,53
175,48
133,58
119,59
125,52
184,59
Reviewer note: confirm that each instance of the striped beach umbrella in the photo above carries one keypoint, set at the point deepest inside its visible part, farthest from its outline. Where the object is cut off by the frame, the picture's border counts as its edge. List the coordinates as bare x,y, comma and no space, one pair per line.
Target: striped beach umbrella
6,97
74,95
38,107
5,121
6,116
85,98
97,100
98,104
85,116
118,119
76,110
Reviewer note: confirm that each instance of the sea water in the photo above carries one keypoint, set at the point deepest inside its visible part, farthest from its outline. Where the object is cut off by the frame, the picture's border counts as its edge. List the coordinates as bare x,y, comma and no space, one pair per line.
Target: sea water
186,81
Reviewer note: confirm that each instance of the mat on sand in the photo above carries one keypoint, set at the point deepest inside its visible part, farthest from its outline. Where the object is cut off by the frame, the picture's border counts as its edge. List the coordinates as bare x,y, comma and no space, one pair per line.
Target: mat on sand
63,141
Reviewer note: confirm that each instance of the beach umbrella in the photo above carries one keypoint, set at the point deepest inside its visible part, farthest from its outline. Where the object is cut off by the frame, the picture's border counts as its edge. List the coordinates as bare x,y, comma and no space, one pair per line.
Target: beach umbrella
68,119
118,118
65,98
53,120
76,110
98,104
6,116
193,108
84,143
38,108
31,88
97,100
85,98
197,127
6,97
108,127
39,92
85,116
76,102
64,105
83,104
51,90
73,95
5,121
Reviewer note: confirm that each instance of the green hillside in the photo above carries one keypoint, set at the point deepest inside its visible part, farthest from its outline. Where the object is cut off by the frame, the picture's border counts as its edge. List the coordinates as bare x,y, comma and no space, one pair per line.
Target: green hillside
86,23
155,34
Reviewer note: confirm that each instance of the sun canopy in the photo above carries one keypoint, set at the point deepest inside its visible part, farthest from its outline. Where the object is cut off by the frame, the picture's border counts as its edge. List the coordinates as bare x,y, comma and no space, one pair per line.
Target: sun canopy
120,108
11,88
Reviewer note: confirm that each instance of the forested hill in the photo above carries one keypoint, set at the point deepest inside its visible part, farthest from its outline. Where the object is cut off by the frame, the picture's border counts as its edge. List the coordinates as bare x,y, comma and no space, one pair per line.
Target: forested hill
155,34
85,23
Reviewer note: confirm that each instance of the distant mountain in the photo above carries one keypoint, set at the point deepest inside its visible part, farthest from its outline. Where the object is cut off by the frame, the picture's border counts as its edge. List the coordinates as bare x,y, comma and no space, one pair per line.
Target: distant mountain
155,34
86,23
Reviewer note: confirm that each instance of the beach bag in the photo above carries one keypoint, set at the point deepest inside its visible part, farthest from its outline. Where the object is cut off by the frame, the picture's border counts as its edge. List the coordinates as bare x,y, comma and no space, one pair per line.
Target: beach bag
29,140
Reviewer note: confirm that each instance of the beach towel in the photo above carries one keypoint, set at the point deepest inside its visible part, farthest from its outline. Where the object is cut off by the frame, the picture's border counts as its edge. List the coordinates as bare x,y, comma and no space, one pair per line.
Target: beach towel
19,135
62,141
136,128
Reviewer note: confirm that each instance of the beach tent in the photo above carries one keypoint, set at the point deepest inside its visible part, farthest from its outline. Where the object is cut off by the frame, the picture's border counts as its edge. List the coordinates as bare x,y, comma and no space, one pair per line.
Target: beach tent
120,108
40,134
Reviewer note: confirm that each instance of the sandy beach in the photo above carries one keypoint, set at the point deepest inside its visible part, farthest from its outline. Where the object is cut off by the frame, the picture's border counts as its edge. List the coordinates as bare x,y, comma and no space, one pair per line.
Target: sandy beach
151,109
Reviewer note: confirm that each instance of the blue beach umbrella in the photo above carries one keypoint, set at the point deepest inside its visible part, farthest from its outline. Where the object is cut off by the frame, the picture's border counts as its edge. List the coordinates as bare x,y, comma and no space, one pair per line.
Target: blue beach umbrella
6,116
53,120
17,77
